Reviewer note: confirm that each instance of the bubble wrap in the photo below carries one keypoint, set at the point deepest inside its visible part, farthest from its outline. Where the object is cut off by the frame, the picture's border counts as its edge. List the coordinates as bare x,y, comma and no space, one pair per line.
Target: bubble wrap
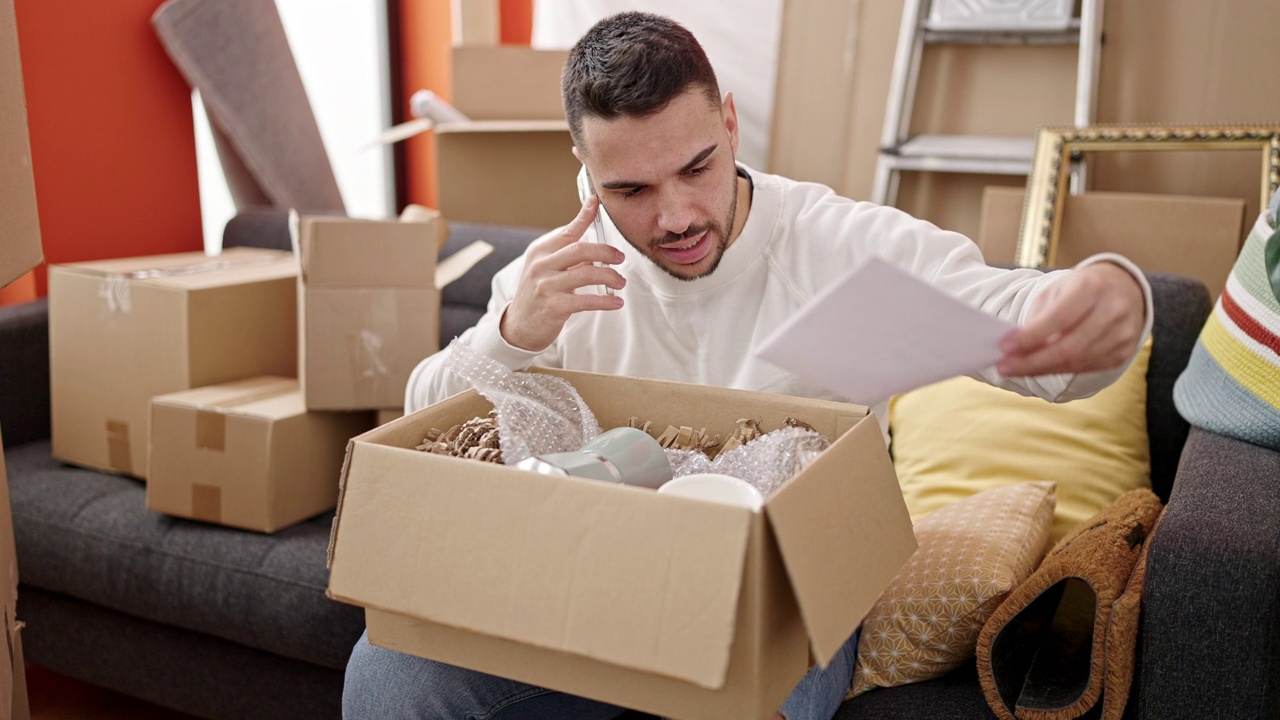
537,414
540,414
766,462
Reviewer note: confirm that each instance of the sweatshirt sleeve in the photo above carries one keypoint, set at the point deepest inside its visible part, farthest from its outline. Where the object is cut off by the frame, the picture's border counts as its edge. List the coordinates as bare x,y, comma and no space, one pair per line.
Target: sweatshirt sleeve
954,264
1062,388
431,381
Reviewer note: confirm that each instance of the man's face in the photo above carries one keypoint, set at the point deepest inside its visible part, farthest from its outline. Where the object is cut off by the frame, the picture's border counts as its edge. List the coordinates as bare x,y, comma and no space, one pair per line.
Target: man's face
668,180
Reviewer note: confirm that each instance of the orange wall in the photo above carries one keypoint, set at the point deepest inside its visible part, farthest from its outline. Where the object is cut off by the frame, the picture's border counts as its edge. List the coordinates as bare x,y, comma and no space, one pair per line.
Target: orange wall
517,22
112,140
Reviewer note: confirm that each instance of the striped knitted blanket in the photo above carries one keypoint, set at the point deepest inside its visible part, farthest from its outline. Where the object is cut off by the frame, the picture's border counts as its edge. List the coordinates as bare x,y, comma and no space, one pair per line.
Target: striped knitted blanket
1231,386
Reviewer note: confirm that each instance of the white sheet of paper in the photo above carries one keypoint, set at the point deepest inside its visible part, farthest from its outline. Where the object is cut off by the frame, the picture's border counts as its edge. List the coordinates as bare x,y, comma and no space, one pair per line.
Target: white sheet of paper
880,331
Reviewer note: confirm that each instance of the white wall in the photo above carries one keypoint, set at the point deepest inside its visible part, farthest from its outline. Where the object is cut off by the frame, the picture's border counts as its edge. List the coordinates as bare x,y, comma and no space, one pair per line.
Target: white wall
739,36
341,51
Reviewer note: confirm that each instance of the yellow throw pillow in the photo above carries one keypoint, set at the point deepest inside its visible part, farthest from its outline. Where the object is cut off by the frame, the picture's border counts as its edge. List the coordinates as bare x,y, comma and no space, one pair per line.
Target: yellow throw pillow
970,556
961,436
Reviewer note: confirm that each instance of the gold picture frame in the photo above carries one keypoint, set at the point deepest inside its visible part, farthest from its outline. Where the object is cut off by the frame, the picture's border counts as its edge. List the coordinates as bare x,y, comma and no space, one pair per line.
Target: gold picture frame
1055,146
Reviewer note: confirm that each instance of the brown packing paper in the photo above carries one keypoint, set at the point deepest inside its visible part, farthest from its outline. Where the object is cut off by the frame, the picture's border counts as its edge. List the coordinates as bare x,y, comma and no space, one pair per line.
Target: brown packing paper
1194,236
721,632
20,240
246,454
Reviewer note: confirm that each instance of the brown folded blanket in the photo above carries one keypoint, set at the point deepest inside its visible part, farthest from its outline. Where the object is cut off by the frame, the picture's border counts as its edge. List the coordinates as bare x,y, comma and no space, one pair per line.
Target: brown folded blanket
1066,636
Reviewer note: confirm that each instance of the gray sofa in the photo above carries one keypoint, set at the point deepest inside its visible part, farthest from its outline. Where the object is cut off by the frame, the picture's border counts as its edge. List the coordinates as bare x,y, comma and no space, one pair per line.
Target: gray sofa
222,623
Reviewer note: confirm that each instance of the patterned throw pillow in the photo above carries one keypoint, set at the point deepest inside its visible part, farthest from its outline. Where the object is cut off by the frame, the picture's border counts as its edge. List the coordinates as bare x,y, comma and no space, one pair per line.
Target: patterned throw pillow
1231,385
971,554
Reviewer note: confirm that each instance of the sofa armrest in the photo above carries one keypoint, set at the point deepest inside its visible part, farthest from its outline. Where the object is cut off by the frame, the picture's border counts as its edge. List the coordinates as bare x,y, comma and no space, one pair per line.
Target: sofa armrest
1211,605
24,372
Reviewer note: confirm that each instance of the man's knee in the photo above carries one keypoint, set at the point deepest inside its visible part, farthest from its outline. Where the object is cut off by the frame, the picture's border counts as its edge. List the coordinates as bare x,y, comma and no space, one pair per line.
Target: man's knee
382,683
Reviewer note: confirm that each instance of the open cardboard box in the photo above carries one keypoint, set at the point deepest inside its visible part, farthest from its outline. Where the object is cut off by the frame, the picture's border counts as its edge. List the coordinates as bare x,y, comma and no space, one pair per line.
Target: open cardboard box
513,163
659,603
369,305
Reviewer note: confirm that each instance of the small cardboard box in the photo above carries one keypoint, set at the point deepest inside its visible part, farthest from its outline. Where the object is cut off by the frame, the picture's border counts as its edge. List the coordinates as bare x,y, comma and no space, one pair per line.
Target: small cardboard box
513,164
659,603
13,683
123,331
20,237
1195,236
369,306
246,454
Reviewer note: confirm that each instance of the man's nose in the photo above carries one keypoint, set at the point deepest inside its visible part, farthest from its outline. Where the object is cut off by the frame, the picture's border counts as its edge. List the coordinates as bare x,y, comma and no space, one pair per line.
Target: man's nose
675,212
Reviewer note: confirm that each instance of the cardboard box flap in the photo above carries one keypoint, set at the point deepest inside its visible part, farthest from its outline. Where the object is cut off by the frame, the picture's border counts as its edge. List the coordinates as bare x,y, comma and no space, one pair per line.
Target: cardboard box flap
341,252
508,83
584,587
850,502
503,126
459,263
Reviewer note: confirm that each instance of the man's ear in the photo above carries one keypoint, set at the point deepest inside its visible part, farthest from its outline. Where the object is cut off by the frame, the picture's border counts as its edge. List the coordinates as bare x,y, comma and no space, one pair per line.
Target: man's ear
730,114
578,154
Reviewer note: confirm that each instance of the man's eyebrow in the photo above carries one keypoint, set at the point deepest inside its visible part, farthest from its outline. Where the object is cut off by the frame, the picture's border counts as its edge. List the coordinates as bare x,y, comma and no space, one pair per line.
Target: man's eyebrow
627,184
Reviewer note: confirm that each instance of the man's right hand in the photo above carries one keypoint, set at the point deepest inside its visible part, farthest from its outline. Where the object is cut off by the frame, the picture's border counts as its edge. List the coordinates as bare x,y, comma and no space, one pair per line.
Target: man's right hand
555,267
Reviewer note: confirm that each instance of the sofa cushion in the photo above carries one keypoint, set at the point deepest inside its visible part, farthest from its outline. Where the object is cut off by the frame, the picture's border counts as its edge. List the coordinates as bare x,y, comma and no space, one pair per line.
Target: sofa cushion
90,536
971,554
961,436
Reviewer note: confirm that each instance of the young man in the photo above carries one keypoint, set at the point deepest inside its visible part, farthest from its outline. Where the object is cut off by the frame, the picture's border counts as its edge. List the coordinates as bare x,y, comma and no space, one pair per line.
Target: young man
705,257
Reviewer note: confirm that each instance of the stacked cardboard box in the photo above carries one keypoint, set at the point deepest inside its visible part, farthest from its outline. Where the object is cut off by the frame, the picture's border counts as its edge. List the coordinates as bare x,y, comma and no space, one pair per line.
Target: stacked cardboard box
246,454
513,163
123,331
664,604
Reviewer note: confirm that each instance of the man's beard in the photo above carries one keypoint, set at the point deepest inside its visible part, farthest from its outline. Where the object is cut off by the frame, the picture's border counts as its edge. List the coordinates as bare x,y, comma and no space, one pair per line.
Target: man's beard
721,232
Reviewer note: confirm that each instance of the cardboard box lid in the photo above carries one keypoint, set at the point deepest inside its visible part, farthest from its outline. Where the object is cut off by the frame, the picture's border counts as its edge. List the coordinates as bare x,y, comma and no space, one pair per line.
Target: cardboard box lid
20,238
267,397
194,270
344,252
508,83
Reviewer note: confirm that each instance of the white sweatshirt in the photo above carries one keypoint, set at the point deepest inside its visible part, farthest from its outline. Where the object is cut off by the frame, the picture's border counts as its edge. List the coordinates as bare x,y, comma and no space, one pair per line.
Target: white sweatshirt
798,239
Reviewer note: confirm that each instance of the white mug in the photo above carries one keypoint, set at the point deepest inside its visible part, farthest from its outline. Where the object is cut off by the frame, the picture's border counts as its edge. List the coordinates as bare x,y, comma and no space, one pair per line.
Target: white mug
714,487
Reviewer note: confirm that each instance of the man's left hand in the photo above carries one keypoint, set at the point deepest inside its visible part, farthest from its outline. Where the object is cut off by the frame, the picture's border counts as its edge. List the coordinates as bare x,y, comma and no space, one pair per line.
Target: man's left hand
1088,321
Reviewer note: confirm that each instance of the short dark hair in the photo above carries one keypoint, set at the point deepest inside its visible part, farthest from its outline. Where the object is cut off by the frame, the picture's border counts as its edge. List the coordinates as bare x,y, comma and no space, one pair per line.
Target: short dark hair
632,64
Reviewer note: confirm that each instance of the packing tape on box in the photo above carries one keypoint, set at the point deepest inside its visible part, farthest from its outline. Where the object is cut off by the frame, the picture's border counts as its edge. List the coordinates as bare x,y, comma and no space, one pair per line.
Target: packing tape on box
211,418
211,430
379,316
116,287
118,454
206,502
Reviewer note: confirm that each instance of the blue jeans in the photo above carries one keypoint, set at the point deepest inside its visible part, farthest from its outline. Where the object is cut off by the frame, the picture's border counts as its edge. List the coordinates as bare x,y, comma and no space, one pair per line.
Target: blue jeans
383,684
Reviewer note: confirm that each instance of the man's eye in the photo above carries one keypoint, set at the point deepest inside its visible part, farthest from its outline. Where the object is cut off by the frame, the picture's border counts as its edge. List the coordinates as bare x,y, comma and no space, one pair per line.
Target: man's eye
697,171
631,192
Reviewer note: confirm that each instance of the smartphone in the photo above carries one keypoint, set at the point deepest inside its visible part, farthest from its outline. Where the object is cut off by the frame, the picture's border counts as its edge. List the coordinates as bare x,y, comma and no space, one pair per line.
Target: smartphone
587,189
